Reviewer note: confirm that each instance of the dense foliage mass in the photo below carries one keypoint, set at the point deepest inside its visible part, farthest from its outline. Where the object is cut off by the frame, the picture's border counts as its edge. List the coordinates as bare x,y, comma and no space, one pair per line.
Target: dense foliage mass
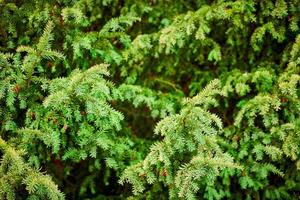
150,99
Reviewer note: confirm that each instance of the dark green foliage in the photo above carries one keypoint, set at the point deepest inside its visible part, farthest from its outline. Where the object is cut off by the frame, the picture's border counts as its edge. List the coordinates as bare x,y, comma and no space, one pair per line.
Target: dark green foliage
150,99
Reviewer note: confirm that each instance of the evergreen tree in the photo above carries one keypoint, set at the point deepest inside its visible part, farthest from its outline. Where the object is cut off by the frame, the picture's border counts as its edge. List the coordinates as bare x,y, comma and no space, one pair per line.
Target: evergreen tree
85,84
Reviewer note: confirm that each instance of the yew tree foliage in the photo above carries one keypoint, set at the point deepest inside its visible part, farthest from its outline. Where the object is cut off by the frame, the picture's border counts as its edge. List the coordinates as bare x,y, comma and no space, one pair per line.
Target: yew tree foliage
150,99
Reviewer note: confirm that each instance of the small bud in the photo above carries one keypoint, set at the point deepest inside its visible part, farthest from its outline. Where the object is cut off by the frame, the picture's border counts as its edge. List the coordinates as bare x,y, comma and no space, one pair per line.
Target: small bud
32,115
284,100
65,127
17,88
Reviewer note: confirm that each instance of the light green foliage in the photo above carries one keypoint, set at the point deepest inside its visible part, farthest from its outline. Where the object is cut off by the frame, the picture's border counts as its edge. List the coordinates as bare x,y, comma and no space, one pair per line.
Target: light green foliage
17,175
78,113
160,104
188,156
